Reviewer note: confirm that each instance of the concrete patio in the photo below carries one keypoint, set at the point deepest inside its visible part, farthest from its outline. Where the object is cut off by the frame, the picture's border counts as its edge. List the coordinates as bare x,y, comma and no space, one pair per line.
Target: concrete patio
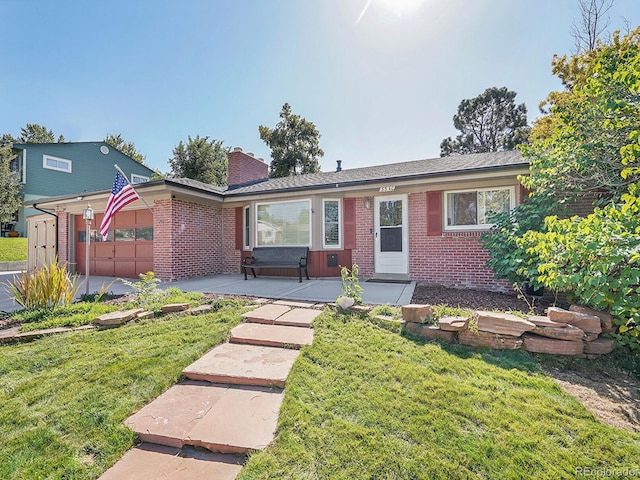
316,290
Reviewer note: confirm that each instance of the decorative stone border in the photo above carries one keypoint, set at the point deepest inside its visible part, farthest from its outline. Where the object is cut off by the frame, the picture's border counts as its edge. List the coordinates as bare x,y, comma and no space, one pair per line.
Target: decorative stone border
562,332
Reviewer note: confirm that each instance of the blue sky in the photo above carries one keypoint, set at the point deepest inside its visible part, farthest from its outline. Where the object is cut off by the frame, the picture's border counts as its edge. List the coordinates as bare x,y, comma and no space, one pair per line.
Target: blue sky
381,84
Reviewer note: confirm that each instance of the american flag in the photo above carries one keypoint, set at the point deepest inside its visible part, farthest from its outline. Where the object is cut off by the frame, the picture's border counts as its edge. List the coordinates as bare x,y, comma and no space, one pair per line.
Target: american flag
122,194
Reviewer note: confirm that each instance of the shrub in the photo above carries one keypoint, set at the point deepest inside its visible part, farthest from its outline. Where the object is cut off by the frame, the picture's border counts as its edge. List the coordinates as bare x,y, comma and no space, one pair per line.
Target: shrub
44,288
146,290
350,284
597,260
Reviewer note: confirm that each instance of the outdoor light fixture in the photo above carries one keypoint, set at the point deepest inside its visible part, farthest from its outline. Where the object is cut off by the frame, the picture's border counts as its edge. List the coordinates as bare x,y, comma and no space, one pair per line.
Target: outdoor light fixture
367,202
87,214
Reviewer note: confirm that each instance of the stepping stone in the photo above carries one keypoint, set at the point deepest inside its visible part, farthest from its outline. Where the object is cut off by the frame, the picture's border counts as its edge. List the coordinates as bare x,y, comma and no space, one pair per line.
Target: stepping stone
271,335
266,313
149,461
169,417
114,319
243,420
298,317
244,365
216,417
291,303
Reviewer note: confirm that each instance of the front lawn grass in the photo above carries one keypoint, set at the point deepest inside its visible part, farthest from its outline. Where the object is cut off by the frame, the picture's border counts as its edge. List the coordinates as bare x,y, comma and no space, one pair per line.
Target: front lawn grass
13,249
63,398
366,403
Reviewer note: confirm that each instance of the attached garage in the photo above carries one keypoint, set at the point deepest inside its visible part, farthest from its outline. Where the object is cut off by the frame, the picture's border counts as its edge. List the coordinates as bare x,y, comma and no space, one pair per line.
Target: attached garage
128,250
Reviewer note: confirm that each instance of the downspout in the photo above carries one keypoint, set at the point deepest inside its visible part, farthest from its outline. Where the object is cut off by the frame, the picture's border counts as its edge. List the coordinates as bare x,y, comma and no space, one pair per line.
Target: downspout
35,207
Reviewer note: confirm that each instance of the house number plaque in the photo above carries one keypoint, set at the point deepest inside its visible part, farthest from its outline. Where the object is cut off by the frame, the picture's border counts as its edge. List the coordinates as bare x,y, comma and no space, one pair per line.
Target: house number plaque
386,189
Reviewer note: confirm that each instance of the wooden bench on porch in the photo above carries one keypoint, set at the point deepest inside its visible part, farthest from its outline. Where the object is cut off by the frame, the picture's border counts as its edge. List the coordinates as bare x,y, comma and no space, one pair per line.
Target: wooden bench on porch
277,257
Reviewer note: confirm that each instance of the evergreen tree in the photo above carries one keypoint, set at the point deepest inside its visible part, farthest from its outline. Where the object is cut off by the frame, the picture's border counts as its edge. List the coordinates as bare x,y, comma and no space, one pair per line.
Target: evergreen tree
294,144
201,159
490,122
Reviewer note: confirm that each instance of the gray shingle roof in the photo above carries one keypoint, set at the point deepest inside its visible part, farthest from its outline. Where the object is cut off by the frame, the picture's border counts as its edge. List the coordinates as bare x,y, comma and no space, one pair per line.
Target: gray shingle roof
390,172
195,184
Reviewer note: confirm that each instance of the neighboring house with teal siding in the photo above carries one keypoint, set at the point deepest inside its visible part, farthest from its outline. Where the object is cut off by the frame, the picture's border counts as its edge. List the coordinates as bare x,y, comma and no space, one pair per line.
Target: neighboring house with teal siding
53,169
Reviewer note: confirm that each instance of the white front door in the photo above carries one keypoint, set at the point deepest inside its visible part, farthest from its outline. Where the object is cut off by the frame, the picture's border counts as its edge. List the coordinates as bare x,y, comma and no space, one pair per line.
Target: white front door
391,235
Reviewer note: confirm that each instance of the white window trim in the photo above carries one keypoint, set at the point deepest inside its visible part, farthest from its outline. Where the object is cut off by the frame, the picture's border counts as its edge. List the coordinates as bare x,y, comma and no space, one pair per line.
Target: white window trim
58,159
255,224
139,178
483,226
339,244
246,236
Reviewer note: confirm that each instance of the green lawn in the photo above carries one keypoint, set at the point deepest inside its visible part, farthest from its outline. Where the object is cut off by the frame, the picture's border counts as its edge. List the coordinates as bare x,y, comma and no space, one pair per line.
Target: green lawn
13,249
63,398
361,403
365,403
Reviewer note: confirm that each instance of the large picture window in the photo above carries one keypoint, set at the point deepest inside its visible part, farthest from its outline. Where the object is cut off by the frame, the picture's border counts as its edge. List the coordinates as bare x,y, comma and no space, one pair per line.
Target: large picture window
330,223
471,209
284,223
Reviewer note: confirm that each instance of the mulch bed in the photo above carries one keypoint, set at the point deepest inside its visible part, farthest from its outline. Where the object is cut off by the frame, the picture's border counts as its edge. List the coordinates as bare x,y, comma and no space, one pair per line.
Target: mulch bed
478,299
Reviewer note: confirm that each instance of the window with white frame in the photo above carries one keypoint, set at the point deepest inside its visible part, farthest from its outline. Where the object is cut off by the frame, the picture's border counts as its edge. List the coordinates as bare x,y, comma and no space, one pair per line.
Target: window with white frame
471,209
330,223
284,223
55,163
247,223
16,165
138,178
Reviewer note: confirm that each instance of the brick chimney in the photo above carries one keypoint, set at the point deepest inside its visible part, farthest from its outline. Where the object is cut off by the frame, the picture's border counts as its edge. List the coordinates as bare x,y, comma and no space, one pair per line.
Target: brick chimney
245,168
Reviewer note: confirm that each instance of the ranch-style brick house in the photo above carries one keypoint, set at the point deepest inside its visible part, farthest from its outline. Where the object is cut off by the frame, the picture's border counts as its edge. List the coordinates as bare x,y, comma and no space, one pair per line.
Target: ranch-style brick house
419,220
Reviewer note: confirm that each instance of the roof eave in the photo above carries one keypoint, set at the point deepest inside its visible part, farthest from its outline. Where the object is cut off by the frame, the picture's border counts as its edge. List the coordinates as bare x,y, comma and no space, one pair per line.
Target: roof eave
406,178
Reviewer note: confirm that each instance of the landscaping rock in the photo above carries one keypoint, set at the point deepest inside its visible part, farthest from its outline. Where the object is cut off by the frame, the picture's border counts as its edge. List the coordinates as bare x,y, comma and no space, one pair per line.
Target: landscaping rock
361,308
430,332
600,346
502,323
590,324
606,320
538,344
453,324
201,309
175,307
557,330
491,340
585,322
145,314
557,314
417,313
115,319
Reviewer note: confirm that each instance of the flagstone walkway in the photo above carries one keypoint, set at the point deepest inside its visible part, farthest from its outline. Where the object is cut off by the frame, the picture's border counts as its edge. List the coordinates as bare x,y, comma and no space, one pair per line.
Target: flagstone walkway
204,426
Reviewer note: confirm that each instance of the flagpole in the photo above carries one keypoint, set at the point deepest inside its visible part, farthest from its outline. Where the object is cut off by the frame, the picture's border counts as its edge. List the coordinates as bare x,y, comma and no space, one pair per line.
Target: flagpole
143,200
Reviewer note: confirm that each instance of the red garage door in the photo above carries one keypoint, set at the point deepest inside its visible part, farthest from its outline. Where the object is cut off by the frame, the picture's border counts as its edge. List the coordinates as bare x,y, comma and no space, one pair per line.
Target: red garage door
128,250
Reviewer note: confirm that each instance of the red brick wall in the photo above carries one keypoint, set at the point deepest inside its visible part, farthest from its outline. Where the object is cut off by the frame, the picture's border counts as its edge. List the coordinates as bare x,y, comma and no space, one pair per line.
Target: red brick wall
363,253
244,168
230,256
188,242
454,259
63,237
162,239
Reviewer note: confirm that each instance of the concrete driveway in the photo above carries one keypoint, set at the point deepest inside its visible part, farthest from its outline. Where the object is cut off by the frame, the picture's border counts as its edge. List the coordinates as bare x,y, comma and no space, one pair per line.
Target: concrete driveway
316,290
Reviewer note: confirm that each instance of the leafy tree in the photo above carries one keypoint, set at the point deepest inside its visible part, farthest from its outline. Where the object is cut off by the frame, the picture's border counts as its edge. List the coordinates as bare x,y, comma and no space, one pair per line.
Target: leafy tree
294,144
490,122
201,159
590,141
128,148
10,200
